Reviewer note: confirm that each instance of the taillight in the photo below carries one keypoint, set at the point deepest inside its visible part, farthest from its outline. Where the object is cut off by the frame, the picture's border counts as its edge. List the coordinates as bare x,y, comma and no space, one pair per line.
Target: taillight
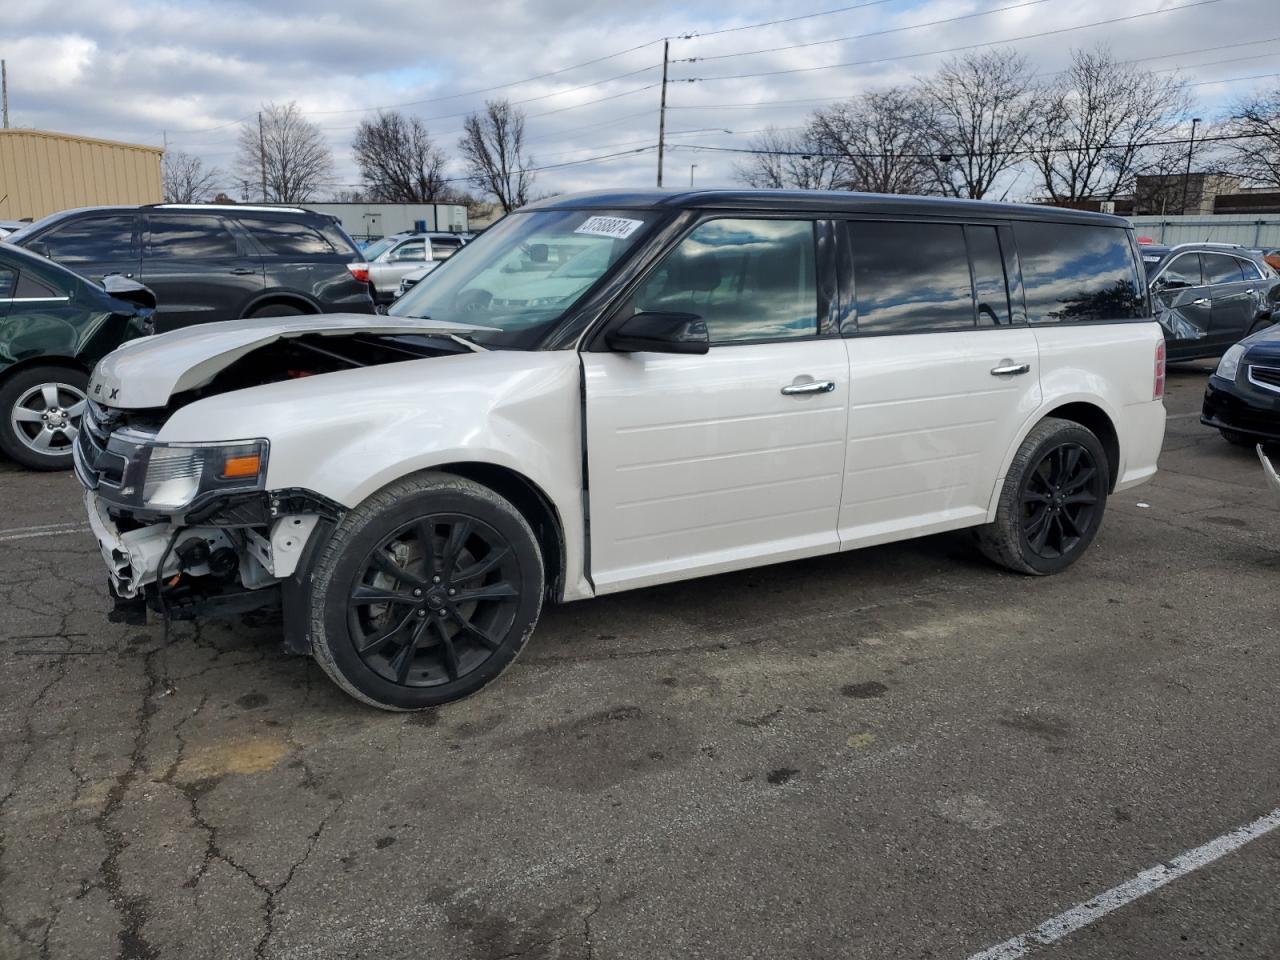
360,271
1158,390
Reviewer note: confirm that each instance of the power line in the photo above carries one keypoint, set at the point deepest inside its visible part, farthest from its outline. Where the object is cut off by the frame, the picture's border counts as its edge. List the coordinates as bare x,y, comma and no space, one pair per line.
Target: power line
771,23
863,36
970,46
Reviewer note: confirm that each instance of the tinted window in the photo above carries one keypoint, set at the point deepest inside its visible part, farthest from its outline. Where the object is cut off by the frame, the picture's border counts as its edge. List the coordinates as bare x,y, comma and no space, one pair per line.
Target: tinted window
443,249
1185,268
189,237
92,239
282,238
7,279
748,279
1219,268
1250,269
1077,272
411,250
911,277
32,287
990,287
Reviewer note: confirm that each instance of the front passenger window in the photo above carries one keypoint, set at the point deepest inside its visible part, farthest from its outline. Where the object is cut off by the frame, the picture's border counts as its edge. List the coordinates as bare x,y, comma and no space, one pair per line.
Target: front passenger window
748,279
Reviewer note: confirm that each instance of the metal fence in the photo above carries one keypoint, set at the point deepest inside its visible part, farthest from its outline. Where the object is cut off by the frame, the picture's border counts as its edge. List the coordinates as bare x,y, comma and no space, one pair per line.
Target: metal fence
1249,231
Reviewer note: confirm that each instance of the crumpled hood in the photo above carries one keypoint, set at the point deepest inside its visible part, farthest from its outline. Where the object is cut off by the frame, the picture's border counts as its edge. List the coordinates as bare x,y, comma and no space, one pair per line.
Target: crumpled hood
146,372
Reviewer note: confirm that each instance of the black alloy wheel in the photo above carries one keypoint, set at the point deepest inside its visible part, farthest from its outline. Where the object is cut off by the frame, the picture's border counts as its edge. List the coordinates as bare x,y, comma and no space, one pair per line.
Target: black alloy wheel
1060,497
432,602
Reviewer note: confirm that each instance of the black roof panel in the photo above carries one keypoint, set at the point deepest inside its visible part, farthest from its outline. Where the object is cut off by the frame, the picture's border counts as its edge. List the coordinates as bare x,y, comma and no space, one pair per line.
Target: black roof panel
818,201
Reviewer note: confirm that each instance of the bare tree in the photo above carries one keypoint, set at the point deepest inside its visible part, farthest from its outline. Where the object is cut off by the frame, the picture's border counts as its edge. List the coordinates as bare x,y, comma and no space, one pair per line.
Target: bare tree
398,160
1256,119
290,159
1097,123
492,145
788,160
186,179
979,111
880,139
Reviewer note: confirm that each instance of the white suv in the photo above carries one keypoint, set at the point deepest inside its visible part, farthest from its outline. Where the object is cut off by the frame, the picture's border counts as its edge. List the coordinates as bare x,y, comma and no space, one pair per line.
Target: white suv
611,391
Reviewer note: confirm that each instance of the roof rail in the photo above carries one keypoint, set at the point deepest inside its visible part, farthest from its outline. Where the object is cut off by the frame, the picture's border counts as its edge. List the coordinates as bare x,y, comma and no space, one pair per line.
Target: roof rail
1209,243
227,206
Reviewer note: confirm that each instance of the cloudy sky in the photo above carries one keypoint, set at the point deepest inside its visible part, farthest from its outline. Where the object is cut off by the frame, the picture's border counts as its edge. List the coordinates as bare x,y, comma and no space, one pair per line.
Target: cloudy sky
139,70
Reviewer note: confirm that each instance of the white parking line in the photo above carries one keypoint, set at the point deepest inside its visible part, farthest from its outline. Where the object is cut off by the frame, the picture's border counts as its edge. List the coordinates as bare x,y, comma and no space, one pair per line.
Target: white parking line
42,530
1083,914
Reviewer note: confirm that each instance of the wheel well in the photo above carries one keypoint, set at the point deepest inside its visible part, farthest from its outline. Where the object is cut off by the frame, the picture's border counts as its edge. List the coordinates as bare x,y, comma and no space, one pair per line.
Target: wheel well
1095,419
282,299
533,504
69,362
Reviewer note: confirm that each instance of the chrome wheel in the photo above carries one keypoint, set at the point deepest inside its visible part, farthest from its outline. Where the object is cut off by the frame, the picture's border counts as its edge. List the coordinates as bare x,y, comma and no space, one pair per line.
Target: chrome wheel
46,417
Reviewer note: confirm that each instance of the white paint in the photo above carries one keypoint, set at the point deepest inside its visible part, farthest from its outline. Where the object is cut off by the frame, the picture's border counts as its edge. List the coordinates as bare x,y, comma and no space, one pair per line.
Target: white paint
1083,914
41,530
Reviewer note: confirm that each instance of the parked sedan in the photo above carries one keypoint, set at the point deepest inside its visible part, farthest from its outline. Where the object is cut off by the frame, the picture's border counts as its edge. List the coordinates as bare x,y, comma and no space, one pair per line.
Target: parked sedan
54,325
1242,398
1209,295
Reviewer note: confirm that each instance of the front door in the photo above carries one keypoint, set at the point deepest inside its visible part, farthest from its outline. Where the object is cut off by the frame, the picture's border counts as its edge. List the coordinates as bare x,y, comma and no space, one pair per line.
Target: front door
943,371
706,463
1231,296
1183,305
199,269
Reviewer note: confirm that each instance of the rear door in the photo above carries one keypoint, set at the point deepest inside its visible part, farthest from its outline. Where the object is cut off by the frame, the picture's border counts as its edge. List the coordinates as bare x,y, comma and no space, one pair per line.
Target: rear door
95,245
943,371
705,463
1232,299
200,268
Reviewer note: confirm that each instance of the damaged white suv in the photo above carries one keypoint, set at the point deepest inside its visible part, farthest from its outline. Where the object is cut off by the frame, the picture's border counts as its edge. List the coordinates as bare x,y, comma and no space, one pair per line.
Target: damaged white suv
616,390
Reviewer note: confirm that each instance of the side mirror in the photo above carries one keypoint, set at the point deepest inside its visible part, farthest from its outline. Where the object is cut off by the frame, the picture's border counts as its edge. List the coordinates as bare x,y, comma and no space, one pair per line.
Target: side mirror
39,247
660,333
1170,283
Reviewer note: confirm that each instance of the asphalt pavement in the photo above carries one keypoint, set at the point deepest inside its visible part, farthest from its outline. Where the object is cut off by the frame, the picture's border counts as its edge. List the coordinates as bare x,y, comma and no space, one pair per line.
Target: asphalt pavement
898,752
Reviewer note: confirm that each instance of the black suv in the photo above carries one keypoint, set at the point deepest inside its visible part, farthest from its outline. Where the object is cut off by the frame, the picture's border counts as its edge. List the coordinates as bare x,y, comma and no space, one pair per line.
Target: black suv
209,262
1209,295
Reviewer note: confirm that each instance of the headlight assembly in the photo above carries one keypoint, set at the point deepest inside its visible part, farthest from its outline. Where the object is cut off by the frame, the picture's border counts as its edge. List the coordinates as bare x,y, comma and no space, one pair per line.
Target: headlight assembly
171,477
1230,362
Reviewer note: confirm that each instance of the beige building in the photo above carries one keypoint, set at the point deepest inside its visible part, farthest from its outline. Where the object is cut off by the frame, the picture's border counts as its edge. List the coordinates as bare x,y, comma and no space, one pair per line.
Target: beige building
42,173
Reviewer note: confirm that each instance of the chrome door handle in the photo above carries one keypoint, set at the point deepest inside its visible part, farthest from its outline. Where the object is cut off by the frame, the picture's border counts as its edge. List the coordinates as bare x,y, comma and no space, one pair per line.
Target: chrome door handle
813,386
1202,302
1007,368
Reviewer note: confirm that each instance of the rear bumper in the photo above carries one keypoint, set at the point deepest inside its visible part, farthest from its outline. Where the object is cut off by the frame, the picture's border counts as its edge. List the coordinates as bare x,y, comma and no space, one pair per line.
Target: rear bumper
1141,437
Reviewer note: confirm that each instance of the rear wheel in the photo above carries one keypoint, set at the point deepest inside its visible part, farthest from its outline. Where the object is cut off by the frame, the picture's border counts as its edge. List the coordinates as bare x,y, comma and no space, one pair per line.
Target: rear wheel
425,593
278,310
41,409
1052,502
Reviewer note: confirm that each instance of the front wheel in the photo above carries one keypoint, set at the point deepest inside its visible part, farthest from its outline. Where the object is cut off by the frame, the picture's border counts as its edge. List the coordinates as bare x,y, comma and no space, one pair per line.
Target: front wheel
41,409
425,593
1052,502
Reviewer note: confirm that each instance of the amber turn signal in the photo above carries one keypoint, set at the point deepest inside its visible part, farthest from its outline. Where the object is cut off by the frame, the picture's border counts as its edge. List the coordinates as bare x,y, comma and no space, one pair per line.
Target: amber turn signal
234,468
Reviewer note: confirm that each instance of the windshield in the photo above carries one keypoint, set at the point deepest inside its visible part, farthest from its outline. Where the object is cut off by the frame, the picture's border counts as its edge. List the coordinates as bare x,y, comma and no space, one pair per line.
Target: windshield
378,247
522,275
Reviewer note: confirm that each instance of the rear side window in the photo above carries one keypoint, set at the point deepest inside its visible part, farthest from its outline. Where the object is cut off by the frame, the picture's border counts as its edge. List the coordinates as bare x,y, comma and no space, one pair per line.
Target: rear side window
284,238
92,239
444,248
748,279
1251,271
1219,268
173,237
8,279
912,277
1078,272
32,288
1184,271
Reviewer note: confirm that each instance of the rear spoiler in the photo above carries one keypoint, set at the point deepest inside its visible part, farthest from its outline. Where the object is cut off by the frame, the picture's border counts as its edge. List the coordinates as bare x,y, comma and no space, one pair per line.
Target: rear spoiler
130,291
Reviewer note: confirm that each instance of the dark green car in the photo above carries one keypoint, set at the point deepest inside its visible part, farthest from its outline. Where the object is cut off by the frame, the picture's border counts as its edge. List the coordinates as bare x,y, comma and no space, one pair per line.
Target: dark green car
54,326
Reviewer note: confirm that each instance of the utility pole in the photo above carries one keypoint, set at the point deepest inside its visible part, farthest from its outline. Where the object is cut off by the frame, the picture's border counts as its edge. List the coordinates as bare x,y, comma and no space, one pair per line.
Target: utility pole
662,110
4,91
262,157
692,167
1186,178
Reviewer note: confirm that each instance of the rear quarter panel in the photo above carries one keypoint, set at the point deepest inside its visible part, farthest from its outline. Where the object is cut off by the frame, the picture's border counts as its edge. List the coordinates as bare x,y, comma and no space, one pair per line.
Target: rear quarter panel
1112,367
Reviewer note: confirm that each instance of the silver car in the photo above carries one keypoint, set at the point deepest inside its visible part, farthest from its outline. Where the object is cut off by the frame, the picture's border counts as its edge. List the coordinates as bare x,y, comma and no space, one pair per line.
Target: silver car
393,257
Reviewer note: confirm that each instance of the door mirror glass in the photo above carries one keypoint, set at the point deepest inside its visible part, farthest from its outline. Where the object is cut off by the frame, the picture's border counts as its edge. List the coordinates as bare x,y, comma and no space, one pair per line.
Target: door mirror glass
1170,283
660,333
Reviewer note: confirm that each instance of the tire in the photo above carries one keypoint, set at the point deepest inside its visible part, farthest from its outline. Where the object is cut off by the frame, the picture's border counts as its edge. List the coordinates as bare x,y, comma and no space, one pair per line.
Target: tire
422,645
1236,439
1033,491
40,409
278,310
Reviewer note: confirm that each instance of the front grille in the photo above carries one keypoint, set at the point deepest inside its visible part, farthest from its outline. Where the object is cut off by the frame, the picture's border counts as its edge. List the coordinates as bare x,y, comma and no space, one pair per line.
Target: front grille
1268,378
100,465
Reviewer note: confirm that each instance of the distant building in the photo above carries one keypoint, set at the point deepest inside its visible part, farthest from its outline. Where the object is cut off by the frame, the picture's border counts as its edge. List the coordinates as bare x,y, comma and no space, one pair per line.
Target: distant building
1202,194
369,221
42,173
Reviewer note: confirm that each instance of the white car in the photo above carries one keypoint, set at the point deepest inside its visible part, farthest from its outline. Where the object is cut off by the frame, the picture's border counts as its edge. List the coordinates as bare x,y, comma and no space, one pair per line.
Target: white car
393,258
611,391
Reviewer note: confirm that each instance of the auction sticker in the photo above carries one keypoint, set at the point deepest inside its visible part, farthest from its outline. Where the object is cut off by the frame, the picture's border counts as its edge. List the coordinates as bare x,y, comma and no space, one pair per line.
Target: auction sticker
619,228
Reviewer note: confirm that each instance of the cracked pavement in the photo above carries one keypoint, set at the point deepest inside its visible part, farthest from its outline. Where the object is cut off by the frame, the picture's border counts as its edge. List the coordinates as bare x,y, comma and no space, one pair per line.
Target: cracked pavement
900,752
